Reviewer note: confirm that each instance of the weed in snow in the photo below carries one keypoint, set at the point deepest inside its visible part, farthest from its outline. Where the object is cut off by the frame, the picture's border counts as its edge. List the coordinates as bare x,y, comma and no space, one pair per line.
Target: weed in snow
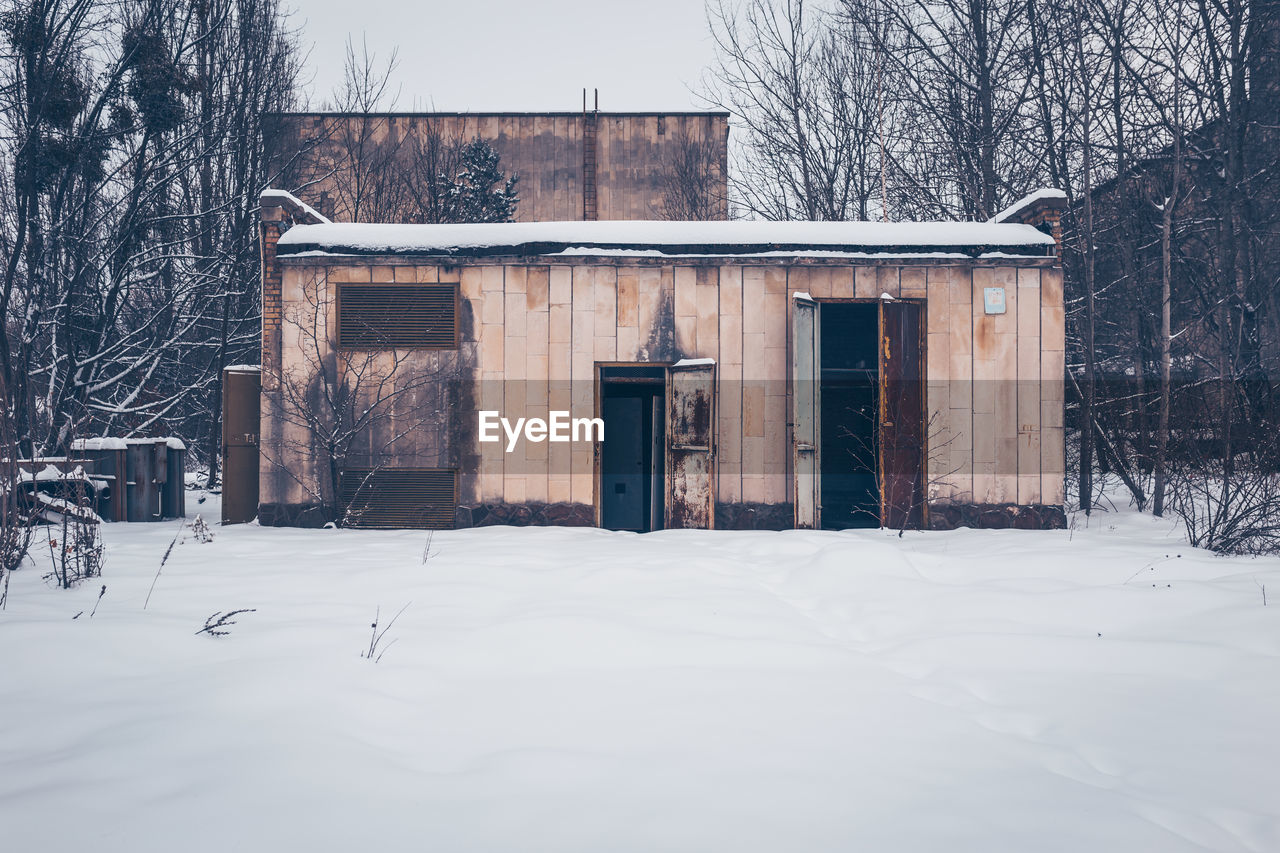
219,624
163,560
426,549
201,531
376,650
1152,565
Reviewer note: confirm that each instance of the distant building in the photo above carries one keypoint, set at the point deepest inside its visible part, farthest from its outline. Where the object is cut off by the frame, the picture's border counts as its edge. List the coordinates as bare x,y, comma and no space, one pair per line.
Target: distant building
571,165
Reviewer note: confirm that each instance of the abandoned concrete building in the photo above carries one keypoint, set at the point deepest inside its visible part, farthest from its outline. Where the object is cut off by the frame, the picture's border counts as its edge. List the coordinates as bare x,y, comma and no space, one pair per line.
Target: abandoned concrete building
641,374
747,374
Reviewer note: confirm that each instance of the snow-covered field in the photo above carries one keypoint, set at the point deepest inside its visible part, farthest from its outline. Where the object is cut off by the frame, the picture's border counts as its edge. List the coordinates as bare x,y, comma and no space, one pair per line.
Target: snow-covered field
580,690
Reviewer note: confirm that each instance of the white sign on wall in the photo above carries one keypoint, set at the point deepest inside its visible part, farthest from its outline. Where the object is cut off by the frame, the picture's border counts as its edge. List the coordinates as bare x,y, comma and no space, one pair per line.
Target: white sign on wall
993,300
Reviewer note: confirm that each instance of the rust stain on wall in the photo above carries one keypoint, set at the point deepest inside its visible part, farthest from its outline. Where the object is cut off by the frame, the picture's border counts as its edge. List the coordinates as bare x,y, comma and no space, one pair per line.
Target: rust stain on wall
660,345
984,338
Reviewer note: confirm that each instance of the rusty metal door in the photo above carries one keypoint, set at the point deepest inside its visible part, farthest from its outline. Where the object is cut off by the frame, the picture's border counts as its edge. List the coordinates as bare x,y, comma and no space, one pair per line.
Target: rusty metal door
241,389
902,428
691,418
806,404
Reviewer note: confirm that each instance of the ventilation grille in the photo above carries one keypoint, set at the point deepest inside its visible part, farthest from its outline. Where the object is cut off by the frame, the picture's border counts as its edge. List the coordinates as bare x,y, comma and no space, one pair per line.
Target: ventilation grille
403,316
399,497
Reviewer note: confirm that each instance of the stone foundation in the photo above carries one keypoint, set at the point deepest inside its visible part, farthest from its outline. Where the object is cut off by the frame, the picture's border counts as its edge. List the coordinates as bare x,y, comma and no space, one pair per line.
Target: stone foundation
997,516
292,515
755,516
729,516
531,514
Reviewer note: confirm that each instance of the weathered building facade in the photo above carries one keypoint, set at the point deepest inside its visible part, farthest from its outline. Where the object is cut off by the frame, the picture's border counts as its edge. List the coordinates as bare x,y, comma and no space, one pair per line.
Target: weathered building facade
571,166
746,374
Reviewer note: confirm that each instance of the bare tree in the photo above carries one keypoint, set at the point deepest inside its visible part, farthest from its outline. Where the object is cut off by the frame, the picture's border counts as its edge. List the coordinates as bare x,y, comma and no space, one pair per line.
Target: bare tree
434,160
802,86
1167,225
690,191
16,518
1230,509
961,82
247,66
912,497
132,149
376,168
360,151
347,408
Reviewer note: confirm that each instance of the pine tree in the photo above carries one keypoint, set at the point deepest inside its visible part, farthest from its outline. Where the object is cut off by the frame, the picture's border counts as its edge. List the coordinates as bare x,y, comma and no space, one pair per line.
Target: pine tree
480,191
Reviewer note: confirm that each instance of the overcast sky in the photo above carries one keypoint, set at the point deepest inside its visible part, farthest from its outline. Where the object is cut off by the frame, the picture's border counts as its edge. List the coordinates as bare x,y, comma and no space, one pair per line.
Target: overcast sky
517,54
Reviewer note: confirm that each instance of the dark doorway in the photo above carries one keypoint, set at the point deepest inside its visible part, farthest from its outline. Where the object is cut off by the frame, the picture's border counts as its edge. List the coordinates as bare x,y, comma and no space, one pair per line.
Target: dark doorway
632,399
849,391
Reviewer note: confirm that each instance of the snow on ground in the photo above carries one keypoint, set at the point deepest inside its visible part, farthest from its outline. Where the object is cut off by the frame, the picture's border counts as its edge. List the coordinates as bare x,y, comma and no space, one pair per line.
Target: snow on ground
581,690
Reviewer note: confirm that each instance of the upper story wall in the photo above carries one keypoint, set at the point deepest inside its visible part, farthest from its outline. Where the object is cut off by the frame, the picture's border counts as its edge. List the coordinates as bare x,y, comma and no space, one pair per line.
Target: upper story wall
571,166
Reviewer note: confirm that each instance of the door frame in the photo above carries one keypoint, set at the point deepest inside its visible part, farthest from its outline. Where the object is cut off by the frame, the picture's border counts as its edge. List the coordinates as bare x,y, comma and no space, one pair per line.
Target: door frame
597,457
924,398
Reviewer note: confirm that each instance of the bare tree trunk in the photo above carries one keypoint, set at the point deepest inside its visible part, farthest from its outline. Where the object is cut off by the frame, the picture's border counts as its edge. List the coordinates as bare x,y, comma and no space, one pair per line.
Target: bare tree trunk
1087,254
1167,223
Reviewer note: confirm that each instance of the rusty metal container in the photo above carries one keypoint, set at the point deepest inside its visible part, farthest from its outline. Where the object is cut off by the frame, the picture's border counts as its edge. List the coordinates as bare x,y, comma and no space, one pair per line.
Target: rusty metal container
136,479
241,390
107,456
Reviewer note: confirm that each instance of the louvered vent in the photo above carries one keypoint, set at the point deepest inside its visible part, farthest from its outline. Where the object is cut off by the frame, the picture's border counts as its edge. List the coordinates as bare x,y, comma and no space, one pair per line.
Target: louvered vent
403,316
399,497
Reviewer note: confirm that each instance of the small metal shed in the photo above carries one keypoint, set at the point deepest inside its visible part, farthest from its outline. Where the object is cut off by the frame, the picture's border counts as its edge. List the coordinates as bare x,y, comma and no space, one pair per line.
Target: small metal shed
143,479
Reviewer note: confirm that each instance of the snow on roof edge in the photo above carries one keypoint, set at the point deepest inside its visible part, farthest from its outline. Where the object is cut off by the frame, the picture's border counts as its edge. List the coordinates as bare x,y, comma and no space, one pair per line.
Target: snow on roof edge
113,443
660,238
1042,194
654,253
285,197
98,443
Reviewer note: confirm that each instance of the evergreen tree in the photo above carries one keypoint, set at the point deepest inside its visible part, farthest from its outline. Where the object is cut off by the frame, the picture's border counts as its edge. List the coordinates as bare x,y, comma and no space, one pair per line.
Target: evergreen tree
480,192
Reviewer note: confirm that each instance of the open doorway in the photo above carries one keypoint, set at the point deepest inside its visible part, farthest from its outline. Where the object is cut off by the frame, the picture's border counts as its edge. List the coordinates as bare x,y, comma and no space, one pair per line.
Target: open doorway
858,409
849,394
632,456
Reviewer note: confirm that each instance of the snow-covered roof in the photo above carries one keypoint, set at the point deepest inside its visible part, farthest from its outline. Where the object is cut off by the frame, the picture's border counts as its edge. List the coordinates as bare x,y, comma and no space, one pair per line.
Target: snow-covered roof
284,198
50,472
971,239
1041,196
101,443
107,443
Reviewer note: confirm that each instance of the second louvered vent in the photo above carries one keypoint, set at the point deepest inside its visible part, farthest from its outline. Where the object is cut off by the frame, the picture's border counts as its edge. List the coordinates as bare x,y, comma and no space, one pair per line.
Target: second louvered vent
399,497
